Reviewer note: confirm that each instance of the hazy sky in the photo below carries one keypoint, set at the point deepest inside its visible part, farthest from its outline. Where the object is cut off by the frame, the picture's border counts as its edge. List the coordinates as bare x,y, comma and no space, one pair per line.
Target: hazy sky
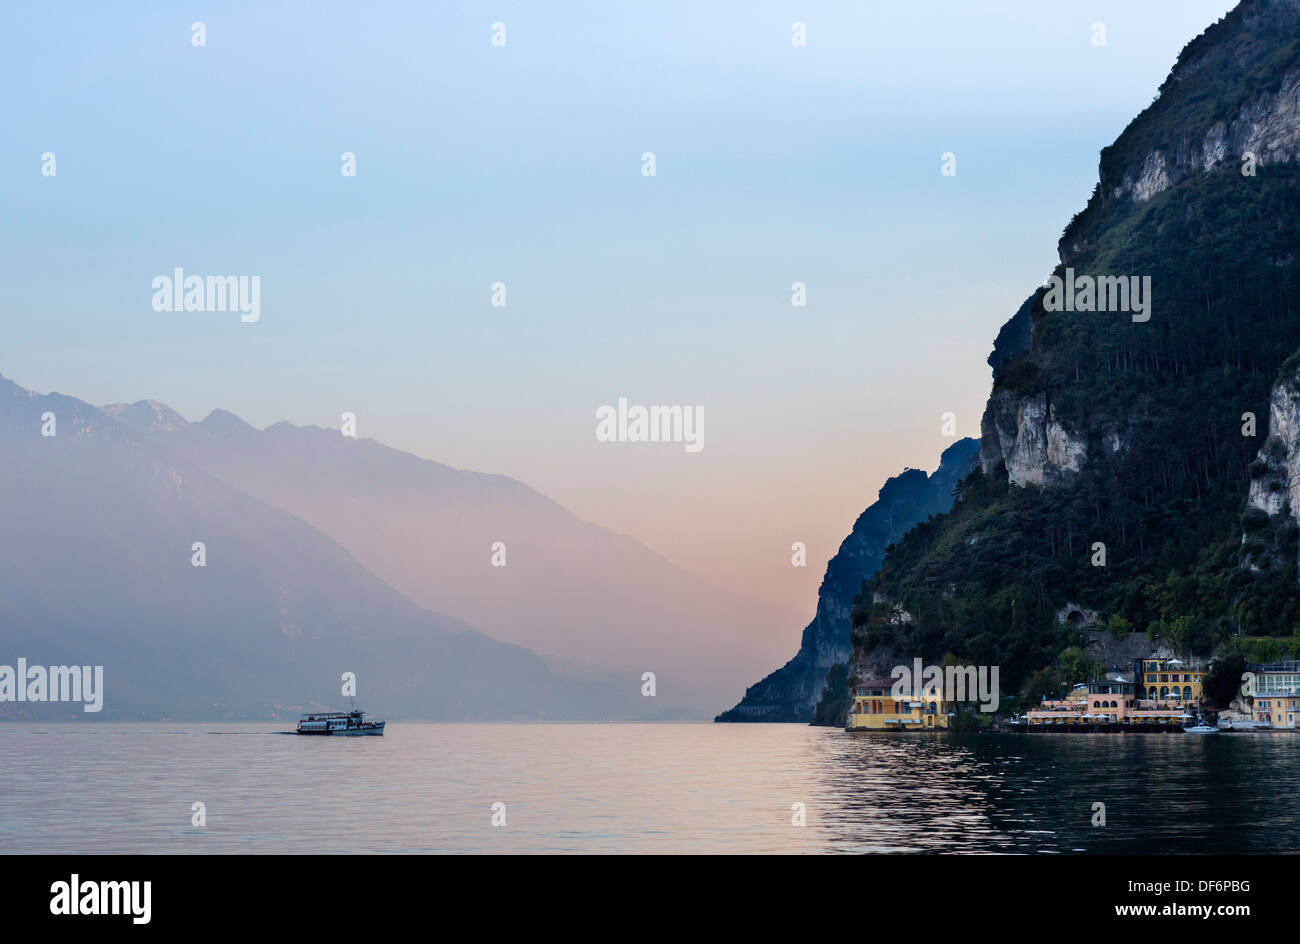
522,164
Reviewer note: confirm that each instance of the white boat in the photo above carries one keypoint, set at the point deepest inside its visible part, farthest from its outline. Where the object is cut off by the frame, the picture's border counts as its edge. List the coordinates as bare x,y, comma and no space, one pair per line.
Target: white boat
1200,727
340,724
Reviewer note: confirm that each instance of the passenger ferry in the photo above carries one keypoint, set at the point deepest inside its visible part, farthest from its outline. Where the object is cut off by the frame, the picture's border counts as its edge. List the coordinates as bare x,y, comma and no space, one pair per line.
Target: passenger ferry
346,723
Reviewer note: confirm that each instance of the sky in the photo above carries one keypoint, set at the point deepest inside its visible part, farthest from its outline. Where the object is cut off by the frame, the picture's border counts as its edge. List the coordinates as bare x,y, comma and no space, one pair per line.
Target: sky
522,164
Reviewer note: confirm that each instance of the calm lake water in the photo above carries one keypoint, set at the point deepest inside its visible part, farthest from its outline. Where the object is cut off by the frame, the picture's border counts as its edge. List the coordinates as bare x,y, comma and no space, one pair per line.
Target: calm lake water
103,788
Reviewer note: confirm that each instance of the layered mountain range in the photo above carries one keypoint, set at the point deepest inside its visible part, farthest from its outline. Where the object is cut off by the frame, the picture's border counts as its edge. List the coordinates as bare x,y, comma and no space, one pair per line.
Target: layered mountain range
596,605
324,554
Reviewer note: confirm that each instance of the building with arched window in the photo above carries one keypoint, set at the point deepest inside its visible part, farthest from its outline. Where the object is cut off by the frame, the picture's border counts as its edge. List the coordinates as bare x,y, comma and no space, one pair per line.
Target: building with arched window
1113,703
1170,678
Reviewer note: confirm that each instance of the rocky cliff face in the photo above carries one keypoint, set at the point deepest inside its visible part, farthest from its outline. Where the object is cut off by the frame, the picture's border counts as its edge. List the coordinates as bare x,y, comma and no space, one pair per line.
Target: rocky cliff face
1266,127
1269,538
792,691
1232,98
1019,432
1232,93
1275,479
1113,473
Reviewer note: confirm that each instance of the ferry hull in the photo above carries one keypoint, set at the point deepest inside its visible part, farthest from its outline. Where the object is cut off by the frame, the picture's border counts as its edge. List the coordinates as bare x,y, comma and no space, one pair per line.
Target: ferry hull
376,731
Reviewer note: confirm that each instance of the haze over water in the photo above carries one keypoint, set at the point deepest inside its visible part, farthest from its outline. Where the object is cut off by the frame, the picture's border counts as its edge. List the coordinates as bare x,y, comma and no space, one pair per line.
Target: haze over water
616,788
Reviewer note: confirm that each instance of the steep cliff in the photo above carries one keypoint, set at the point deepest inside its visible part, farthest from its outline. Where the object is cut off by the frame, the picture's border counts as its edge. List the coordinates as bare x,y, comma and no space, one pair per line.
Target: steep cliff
1116,475
1020,433
1270,525
791,692
1231,97
1275,479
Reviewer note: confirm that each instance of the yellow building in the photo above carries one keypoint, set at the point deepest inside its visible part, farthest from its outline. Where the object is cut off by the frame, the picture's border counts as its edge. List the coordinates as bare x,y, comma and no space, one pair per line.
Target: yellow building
1280,711
876,709
1276,689
1169,679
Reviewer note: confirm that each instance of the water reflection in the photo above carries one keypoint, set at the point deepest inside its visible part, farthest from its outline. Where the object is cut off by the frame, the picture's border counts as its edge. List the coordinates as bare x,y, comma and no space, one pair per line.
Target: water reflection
639,788
1025,793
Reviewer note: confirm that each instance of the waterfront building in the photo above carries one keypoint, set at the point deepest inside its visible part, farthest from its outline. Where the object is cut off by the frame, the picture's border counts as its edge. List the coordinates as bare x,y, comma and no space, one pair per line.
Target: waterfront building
875,708
1276,700
1278,711
1276,678
1112,703
1160,679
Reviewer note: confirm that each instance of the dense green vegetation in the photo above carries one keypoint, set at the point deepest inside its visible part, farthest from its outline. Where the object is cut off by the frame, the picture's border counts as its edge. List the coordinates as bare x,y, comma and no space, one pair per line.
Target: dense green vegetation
1160,405
1224,680
1216,74
836,700
985,580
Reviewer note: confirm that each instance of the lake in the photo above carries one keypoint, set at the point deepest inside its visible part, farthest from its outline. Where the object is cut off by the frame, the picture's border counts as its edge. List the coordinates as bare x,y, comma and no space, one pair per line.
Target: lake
638,788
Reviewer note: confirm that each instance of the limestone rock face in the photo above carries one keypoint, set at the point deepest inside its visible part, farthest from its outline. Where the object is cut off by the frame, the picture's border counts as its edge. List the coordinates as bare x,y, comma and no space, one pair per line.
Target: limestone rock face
1275,488
1019,432
1232,95
1268,127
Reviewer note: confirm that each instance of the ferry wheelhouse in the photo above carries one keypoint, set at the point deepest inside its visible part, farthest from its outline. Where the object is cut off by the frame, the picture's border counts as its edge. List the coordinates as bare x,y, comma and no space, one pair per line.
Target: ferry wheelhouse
346,723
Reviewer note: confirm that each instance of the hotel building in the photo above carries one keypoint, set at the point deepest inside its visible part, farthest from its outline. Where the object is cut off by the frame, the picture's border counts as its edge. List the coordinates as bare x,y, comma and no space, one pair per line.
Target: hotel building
1277,694
875,708
1169,679
1112,703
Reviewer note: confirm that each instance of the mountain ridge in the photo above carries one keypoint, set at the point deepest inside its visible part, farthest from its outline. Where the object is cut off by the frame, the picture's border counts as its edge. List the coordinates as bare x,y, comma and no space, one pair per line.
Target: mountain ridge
1116,457
597,605
98,568
792,692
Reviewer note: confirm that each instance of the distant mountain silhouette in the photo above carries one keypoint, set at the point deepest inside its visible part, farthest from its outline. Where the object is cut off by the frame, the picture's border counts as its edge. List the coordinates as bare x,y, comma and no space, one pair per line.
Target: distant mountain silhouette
97,526
597,605
792,692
